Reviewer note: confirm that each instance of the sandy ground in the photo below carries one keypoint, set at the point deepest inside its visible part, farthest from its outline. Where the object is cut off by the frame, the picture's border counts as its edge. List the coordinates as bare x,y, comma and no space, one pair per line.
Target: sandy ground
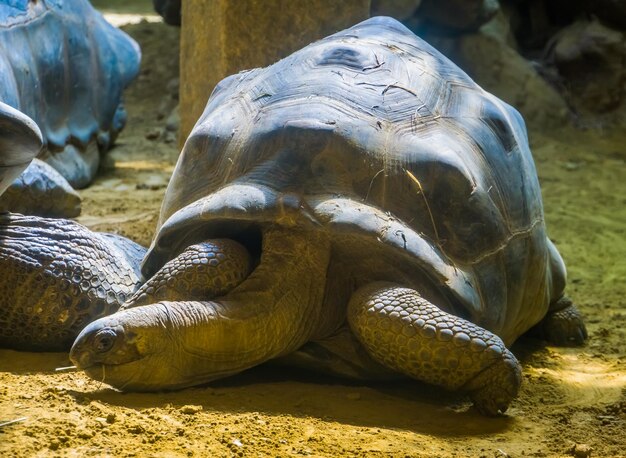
572,400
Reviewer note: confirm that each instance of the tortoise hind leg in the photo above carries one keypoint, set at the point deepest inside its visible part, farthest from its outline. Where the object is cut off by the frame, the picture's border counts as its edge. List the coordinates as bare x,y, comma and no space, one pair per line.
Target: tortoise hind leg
407,333
563,325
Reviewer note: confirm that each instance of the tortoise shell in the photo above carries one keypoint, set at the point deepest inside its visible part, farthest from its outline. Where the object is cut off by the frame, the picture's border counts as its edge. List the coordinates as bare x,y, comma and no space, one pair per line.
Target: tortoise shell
375,136
65,66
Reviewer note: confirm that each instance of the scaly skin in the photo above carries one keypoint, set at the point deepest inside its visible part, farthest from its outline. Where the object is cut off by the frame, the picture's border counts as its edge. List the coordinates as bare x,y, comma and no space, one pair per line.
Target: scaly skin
57,277
404,331
189,338
203,271
563,325
203,316
174,344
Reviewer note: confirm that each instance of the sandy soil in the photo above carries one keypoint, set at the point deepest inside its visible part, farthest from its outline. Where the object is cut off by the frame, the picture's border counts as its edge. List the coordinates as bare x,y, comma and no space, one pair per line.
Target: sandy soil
571,400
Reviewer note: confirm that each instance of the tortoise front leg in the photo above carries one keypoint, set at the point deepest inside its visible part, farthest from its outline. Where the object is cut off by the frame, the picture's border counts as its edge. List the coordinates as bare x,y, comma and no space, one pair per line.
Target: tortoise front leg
201,272
405,332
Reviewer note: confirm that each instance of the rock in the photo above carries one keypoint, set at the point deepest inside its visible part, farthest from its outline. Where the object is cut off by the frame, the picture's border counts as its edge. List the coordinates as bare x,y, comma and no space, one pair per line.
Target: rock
613,12
84,433
590,59
399,9
190,409
581,451
169,10
458,15
135,429
223,37
153,134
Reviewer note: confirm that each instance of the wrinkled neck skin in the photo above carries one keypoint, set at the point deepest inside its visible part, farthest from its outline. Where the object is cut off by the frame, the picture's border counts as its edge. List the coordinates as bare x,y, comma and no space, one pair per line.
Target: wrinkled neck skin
173,345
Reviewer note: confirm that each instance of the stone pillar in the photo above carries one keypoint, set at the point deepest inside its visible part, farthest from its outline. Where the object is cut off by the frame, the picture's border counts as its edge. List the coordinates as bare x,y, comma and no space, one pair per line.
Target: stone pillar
222,37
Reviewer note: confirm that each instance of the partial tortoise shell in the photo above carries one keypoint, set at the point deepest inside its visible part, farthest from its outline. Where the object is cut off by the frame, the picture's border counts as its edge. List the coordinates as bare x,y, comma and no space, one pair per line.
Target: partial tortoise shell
372,131
65,66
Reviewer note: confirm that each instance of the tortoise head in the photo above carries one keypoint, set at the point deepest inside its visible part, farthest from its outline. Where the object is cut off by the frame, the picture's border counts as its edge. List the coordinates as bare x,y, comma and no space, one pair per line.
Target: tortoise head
135,350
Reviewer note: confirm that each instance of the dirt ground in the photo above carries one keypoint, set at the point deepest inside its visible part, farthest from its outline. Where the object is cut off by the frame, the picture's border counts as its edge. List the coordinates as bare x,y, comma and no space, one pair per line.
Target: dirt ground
572,399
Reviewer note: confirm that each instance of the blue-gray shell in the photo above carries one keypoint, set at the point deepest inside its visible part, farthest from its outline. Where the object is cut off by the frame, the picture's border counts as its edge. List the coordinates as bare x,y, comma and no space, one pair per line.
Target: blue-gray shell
65,66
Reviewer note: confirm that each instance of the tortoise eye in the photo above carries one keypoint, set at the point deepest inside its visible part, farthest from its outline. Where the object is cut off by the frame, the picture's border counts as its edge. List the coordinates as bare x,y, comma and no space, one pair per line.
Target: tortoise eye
104,340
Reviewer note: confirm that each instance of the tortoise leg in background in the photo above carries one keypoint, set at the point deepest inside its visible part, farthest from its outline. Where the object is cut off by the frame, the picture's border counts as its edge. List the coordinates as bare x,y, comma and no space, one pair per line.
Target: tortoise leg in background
57,276
405,332
42,191
563,325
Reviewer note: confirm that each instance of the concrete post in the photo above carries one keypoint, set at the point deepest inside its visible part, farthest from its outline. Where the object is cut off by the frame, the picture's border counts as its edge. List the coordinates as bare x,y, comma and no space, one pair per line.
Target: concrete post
222,37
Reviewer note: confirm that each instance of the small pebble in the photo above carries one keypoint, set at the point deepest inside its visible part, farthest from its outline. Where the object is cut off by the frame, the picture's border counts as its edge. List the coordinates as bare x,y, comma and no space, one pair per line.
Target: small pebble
85,433
190,409
153,134
572,166
135,429
581,450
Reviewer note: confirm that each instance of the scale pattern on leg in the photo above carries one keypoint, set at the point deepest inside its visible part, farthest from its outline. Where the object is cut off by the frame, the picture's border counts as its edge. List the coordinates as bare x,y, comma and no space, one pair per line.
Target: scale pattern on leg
407,333
57,277
564,324
201,272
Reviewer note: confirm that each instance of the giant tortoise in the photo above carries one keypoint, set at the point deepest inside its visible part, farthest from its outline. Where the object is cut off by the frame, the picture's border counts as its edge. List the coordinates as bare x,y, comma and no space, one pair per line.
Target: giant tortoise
361,206
64,66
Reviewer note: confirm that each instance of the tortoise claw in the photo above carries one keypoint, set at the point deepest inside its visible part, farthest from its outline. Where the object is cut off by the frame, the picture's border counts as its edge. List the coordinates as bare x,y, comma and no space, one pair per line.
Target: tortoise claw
564,327
494,388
